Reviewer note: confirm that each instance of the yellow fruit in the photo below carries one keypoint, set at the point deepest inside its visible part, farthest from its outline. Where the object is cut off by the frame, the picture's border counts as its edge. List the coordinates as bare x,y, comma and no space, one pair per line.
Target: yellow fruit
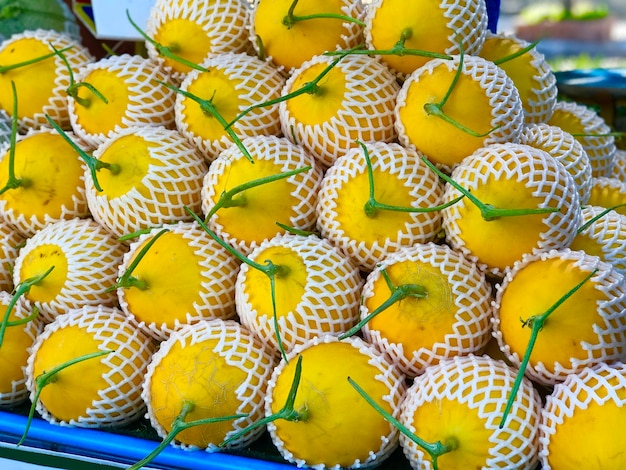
219,367
608,192
10,243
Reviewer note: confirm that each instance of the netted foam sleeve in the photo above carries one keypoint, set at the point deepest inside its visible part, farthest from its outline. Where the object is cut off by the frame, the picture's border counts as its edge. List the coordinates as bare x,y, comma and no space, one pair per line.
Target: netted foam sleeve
250,80
474,387
452,318
169,183
10,243
5,127
118,401
224,351
92,256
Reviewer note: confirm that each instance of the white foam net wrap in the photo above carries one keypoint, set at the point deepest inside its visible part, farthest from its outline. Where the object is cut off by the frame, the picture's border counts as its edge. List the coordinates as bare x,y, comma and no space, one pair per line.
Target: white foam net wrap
364,112
608,192
600,148
566,149
403,165
301,196
458,287
92,254
532,169
5,127
224,22
57,104
253,80
150,102
505,108
216,267
329,302
119,401
10,242
227,341
47,188
382,371
15,349
604,330
619,165
171,183
590,389
479,386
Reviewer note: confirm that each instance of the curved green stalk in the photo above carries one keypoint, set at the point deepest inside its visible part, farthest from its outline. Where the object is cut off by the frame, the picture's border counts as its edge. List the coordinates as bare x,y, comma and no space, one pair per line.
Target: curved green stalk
13,182
597,217
296,231
536,323
433,449
516,54
291,19
6,68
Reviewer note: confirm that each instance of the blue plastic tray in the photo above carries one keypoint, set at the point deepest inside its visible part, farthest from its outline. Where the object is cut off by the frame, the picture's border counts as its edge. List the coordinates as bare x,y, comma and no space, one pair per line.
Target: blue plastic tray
589,82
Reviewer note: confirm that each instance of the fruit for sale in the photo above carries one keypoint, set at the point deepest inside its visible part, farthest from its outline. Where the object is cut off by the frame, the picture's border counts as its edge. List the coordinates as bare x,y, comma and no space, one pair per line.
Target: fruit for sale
10,243
134,94
154,175
41,77
353,101
566,149
446,313
585,328
291,32
315,291
512,181
184,276
458,403
102,391
280,187
532,75
619,164
448,109
376,199
608,192
583,413
329,430
81,259
231,85
591,130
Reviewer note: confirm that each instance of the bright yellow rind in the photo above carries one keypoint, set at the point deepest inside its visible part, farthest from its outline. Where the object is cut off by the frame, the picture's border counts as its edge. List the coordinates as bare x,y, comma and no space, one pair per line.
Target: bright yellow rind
39,260
186,39
132,154
14,352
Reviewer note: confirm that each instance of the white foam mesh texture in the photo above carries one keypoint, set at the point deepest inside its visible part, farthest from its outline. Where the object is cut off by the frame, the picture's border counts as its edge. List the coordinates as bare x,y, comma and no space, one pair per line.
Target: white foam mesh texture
125,367
600,149
469,296
609,233
93,256
532,168
289,157
223,21
218,271
5,127
603,385
57,106
22,309
566,149
173,181
610,344
619,165
29,225
405,164
256,82
387,374
482,385
365,113
329,303
241,350
149,102
505,104
10,242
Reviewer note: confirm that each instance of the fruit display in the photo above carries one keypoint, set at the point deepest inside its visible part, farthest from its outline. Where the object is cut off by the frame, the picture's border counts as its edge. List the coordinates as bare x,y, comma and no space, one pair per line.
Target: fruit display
321,234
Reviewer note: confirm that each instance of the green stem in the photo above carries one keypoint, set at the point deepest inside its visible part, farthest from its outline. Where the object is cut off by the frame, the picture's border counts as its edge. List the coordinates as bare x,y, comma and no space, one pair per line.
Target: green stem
296,231
291,19
287,412
92,163
126,281
487,211
536,323
22,321
21,289
50,377
597,217
516,54
178,425
433,449
6,68
12,182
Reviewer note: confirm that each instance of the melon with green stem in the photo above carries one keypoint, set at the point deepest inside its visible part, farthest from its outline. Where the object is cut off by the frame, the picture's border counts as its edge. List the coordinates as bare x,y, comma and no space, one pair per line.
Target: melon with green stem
231,84
11,240
175,276
21,332
439,26
581,419
424,304
134,92
81,259
30,60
